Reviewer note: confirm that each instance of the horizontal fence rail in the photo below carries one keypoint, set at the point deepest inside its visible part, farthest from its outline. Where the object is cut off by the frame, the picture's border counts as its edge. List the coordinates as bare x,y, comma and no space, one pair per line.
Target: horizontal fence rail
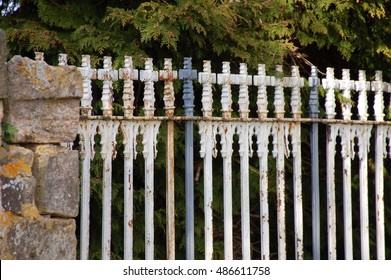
351,112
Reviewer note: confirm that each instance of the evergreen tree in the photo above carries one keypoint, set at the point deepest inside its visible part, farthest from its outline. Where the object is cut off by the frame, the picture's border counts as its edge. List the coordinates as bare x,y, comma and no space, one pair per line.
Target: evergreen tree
325,32
244,30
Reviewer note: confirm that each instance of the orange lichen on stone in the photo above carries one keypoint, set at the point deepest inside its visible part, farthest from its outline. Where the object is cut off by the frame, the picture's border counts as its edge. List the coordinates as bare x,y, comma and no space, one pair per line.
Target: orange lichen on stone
24,70
5,218
13,169
30,211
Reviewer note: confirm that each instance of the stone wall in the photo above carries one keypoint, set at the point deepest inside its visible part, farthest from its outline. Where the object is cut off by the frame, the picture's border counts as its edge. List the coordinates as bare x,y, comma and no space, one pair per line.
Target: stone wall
39,178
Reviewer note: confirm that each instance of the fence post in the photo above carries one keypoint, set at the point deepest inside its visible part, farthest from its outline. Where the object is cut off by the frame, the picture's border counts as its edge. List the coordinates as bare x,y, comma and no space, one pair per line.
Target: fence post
279,141
206,78
263,131
227,131
362,86
87,131
377,87
168,76
313,82
188,75
330,84
149,76
129,131
296,83
244,80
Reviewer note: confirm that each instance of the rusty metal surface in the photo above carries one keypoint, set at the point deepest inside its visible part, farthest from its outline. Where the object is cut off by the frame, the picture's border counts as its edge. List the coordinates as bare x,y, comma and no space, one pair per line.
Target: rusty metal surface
262,132
87,131
149,131
169,76
130,131
108,131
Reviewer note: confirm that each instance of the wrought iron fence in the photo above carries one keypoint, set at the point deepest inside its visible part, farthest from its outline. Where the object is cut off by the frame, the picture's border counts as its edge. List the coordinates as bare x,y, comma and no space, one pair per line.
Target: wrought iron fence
354,127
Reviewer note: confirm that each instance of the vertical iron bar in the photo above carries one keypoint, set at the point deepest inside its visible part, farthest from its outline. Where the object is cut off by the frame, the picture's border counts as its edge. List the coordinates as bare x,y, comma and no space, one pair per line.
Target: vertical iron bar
364,217
244,80
379,179
206,152
330,84
108,131
331,207
297,190
263,132
150,132
128,206
207,78
279,154
295,82
208,190
363,134
347,195
189,189
347,142
168,76
244,135
85,203
314,113
87,131
187,75
226,132
149,76
170,191
226,152
130,132
149,192
377,87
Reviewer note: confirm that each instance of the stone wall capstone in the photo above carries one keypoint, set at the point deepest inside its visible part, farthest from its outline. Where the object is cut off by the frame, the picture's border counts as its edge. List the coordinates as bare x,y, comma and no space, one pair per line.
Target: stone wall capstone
39,179
42,101
3,75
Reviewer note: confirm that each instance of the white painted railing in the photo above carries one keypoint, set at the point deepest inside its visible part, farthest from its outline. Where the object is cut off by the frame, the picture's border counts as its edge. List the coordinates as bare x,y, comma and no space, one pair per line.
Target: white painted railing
352,132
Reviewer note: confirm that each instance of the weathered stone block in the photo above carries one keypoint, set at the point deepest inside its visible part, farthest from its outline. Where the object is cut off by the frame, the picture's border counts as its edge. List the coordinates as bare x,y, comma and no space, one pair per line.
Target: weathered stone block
18,183
30,239
42,101
56,170
3,68
1,118
3,75
43,121
30,80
